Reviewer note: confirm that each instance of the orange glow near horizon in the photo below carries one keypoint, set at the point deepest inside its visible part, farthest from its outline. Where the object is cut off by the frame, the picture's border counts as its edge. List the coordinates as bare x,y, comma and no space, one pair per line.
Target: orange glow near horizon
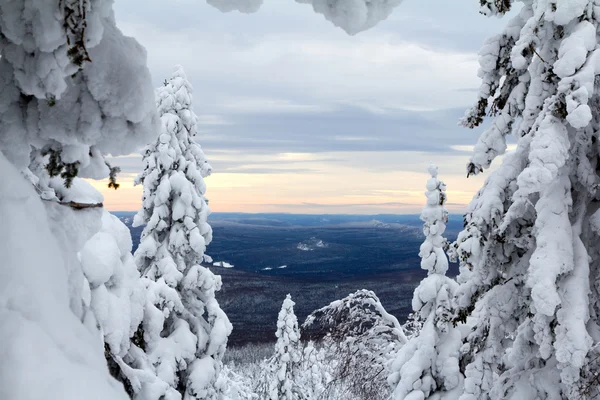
328,188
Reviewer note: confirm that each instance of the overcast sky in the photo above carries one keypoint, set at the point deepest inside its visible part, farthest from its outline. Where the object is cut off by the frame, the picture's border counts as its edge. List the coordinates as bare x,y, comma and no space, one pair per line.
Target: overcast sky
298,116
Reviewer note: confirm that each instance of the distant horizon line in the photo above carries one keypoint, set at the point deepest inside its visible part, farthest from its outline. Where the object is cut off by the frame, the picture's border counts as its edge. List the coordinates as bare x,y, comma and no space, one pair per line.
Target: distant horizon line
292,213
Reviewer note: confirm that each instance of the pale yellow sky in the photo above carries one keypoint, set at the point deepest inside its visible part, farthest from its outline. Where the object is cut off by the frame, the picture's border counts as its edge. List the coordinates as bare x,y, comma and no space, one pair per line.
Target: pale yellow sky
395,186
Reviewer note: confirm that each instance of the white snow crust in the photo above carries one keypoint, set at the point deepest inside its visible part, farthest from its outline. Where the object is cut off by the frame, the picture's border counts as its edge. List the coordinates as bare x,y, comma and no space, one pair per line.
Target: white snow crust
47,352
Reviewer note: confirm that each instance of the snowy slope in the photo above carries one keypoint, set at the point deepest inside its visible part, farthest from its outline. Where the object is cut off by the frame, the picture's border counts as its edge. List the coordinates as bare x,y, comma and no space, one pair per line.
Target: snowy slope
47,352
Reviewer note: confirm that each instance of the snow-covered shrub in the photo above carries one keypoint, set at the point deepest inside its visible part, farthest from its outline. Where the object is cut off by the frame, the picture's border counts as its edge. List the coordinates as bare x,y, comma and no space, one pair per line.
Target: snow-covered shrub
315,371
184,329
428,363
236,386
413,325
361,338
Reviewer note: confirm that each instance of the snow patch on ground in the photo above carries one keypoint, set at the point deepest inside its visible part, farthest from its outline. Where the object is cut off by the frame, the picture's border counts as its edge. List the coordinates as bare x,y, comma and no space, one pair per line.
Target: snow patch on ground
80,191
222,264
312,244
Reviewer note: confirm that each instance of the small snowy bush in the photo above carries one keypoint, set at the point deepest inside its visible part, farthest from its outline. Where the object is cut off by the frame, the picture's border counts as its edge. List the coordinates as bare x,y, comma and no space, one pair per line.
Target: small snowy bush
361,338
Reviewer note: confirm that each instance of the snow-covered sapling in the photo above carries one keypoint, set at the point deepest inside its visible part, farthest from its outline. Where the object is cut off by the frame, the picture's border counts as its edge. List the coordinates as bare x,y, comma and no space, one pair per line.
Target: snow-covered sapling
428,363
285,363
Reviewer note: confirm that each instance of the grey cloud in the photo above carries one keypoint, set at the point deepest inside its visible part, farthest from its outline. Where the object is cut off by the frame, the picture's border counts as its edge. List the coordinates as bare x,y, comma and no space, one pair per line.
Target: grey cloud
264,170
347,129
134,164
268,166
435,24
321,132
469,90
441,24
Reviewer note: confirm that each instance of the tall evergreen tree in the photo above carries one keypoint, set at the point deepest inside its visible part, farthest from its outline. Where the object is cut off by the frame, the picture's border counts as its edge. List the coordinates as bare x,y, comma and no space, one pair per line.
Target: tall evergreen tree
428,363
529,254
184,329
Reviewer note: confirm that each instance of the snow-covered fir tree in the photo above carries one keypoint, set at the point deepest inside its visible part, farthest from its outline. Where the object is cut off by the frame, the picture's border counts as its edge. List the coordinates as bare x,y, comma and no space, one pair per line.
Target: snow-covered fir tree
184,329
362,338
284,366
529,254
428,363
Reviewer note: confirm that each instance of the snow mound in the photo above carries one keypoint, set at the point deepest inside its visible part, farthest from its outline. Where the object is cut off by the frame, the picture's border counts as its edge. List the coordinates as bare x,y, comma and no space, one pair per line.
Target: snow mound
116,292
42,341
80,191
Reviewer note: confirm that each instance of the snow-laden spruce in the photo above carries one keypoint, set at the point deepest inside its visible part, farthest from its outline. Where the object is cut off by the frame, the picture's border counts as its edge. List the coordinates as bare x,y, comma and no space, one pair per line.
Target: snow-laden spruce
284,366
184,329
529,254
428,364
362,338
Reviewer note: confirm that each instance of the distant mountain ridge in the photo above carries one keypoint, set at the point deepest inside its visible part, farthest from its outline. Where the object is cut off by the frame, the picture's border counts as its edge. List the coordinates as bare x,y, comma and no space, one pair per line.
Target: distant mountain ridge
455,222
